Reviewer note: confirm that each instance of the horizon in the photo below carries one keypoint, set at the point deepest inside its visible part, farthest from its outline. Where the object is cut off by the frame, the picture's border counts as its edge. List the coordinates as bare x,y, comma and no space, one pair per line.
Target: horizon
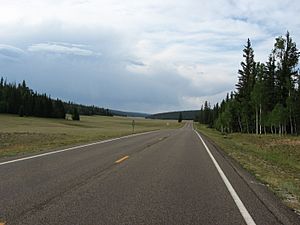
144,56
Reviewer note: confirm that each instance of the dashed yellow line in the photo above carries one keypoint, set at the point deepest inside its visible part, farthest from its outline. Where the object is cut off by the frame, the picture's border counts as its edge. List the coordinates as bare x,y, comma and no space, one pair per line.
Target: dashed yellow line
119,160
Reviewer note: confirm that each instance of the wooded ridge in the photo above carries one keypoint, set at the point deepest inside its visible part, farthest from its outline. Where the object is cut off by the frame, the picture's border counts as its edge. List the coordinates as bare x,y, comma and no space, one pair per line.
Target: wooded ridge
20,99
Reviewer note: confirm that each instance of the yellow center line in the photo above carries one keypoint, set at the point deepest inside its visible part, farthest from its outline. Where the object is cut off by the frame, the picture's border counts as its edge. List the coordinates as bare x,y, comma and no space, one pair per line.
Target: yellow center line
119,160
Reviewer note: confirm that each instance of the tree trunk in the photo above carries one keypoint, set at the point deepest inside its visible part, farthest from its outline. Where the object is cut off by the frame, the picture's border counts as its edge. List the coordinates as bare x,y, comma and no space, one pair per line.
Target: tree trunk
260,119
272,129
247,125
291,124
256,120
284,126
240,124
295,126
279,129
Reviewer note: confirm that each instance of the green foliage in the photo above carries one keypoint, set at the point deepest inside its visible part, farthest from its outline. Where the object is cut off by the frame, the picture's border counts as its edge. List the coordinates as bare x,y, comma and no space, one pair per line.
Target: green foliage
87,110
19,135
246,74
75,114
273,160
19,99
278,115
267,96
180,117
21,111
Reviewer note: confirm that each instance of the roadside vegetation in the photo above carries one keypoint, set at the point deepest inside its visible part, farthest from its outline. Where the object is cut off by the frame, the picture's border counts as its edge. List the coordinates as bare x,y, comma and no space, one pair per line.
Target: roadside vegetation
273,160
20,135
267,96
258,124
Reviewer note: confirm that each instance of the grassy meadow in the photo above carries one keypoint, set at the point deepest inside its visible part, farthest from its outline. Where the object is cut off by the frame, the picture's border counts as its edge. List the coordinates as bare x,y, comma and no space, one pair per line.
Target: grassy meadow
274,160
21,135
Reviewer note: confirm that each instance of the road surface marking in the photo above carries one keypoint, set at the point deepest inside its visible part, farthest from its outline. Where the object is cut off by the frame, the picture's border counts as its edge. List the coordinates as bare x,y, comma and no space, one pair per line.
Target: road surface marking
122,159
73,148
247,217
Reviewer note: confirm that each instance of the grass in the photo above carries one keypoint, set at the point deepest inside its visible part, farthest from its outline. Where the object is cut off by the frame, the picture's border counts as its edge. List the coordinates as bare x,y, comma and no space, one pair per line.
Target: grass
21,135
274,160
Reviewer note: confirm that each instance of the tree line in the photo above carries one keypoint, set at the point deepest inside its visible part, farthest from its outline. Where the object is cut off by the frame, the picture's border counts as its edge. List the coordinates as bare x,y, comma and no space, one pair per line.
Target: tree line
20,99
267,95
87,110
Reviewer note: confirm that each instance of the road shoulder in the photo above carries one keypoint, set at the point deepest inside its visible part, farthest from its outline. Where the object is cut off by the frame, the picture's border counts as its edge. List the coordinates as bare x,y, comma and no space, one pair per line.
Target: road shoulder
282,213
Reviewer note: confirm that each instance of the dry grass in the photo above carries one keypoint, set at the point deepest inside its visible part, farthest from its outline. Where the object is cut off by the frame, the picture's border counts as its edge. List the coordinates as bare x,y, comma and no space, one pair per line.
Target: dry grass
20,135
273,160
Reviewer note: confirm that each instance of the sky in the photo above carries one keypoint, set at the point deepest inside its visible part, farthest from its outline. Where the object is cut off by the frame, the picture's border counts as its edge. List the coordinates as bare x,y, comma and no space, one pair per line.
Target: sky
138,55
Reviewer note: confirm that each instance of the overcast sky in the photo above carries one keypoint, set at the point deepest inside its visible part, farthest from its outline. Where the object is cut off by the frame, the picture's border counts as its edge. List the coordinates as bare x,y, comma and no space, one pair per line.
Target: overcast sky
137,55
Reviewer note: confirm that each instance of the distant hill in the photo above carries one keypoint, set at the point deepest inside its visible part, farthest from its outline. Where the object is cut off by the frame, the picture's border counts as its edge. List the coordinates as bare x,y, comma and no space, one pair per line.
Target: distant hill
186,115
128,114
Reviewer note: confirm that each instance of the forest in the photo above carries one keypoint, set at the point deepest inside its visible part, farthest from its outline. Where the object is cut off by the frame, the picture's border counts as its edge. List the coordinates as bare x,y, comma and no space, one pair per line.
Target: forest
267,94
20,99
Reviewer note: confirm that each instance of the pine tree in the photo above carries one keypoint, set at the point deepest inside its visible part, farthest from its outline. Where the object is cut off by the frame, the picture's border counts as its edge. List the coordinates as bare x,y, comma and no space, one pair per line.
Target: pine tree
267,96
245,86
206,113
21,111
75,115
269,83
180,117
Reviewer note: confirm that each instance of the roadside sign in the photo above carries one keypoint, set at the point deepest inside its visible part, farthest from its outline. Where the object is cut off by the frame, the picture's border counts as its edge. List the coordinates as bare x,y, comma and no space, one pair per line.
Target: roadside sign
133,125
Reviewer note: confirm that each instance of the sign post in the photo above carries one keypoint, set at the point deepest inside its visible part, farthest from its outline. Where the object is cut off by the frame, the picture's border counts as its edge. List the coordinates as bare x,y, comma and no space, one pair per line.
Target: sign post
133,125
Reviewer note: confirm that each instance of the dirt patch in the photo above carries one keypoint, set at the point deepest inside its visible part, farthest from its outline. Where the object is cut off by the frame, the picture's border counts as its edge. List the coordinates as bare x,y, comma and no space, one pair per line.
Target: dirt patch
285,141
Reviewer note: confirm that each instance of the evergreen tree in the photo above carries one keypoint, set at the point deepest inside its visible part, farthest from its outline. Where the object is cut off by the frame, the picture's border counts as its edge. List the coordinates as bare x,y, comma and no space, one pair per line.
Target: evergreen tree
267,96
245,85
206,113
59,111
75,115
269,84
21,111
180,117
19,99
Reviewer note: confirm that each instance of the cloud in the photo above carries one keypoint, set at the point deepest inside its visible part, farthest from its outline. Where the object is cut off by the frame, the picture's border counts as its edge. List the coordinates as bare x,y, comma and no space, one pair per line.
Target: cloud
9,52
155,55
136,63
195,102
61,48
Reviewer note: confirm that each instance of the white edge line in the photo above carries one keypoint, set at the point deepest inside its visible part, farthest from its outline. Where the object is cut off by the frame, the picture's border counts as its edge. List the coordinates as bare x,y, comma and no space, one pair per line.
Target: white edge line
75,147
246,215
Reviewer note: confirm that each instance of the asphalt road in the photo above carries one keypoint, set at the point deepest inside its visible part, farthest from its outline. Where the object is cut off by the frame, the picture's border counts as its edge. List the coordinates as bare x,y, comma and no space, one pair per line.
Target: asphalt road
163,177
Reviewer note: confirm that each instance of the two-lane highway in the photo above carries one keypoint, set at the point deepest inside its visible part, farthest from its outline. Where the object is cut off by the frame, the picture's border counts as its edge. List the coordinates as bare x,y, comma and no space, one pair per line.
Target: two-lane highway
162,177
